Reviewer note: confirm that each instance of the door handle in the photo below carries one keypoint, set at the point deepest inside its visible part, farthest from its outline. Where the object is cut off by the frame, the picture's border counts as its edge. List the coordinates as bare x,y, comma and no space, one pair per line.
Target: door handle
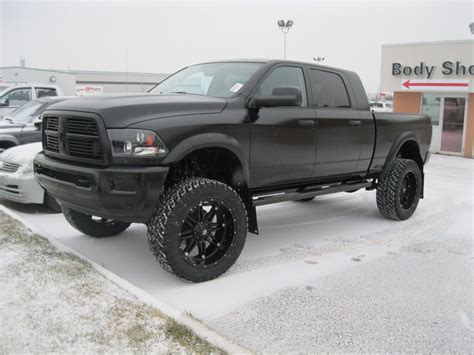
355,123
306,123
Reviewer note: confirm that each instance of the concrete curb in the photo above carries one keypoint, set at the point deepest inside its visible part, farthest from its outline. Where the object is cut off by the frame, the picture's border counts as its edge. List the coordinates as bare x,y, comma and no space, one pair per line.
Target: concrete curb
197,327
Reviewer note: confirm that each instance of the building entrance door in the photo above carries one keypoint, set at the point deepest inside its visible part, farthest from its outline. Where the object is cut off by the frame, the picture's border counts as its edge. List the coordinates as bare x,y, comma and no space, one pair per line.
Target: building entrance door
452,124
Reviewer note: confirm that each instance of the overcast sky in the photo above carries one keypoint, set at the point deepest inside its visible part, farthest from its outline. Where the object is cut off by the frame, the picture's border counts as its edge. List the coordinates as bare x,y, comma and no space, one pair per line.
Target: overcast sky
161,37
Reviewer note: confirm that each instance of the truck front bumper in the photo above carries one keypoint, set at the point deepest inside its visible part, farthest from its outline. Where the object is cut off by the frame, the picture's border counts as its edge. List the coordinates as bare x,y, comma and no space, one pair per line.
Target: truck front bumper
127,194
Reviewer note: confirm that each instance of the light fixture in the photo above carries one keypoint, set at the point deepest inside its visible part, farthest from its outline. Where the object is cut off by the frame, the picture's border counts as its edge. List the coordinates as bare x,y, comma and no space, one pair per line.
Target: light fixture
284,27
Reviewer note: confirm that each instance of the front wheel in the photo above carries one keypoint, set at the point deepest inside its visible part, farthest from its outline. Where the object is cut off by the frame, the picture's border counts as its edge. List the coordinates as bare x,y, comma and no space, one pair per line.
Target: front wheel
96,227
399,190
198,231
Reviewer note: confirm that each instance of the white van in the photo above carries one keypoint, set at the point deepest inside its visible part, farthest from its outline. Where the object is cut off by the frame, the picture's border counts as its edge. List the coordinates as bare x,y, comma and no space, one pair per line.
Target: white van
13,96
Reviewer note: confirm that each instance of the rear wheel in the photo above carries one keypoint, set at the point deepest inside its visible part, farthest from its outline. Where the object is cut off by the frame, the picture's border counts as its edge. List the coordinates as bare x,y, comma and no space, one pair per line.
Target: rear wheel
199,229
96,227
399,190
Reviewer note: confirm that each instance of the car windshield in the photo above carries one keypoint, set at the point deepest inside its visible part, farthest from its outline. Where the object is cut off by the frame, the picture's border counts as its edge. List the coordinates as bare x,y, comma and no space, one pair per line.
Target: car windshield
3,87
26,113
212,79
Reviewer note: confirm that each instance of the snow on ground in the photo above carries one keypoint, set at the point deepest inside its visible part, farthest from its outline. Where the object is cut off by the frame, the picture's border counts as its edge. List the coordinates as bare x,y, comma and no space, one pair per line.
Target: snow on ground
52,301
328,275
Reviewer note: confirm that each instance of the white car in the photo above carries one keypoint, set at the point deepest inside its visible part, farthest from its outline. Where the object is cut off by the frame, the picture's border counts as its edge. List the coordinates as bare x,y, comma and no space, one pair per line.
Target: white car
382,106
13,96
17,181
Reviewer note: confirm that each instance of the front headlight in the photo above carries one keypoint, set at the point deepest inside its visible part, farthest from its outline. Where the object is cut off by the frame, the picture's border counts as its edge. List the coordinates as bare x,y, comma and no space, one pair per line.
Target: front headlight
27,169
128,143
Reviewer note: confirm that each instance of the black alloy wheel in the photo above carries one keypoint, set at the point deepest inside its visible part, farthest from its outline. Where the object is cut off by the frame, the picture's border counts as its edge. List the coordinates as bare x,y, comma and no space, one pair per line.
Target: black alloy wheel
207,233
408,191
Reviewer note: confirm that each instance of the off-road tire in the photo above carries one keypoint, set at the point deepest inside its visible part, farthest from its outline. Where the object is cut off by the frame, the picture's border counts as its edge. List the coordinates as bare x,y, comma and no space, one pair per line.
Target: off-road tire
93,228
51,203
390,189
166,223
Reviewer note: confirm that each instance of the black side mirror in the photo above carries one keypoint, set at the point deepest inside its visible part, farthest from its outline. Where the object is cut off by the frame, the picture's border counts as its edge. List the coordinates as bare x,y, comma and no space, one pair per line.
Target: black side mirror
4,102
37,122
281,96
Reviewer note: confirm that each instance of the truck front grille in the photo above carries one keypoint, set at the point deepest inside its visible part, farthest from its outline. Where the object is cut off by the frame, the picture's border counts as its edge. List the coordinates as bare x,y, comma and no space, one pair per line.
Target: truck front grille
80,147
84,126
73,137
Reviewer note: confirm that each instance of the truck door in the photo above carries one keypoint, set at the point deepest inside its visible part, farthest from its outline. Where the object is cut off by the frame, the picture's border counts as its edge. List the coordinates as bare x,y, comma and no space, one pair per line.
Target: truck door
282,138
339,127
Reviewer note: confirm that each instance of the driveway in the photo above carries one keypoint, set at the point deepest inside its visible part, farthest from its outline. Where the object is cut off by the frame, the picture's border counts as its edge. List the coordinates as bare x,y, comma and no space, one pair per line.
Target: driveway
328,275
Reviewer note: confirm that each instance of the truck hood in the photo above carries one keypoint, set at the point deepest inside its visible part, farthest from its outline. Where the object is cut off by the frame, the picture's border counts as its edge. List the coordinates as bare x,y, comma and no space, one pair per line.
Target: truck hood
119,111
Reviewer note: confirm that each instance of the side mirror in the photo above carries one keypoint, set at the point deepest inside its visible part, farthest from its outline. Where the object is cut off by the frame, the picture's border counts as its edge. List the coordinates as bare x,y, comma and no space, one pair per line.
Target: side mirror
281,96
37,122
4,102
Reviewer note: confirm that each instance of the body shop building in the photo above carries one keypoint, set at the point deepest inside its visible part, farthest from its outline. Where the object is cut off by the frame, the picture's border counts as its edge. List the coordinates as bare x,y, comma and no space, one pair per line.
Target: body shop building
437,79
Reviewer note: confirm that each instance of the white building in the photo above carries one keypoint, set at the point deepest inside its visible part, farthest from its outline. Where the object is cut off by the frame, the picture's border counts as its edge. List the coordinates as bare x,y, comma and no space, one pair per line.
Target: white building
84,82
437,79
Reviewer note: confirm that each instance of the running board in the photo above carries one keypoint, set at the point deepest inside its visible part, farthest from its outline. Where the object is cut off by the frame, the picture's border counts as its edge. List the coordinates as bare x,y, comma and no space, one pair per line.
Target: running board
283,196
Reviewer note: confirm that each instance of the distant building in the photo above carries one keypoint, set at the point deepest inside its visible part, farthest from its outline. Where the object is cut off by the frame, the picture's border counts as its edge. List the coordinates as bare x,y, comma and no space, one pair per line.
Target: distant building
436,79
81,82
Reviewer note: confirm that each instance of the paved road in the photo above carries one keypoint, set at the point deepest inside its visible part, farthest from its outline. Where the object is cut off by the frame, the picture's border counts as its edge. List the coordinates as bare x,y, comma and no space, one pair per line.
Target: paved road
329,275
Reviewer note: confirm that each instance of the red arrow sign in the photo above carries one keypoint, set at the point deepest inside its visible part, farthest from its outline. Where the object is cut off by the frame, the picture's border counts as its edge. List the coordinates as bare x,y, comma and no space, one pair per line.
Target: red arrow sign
407,84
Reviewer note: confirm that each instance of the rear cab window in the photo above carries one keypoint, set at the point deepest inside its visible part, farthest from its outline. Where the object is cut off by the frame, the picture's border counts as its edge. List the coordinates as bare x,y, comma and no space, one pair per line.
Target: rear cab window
44,92
329,90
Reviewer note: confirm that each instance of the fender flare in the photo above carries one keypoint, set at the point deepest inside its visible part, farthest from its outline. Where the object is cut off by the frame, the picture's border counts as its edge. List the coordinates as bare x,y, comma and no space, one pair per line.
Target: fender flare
208,140
397,144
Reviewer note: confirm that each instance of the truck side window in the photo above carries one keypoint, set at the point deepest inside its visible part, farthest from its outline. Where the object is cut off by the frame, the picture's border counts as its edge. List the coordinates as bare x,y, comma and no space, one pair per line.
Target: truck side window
284,76
43,92
18,97
328,89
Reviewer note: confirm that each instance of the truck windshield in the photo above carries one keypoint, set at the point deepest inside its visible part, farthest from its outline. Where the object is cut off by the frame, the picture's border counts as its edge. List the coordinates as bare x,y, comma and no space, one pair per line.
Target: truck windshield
26,113
212,79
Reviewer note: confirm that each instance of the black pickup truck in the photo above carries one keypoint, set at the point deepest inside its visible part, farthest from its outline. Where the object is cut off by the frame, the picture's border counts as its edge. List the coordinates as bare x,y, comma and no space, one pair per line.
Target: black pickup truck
194,157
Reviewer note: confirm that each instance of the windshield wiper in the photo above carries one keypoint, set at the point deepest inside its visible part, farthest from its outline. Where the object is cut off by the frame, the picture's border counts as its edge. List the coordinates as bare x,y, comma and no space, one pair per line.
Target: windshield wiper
8,118
178,92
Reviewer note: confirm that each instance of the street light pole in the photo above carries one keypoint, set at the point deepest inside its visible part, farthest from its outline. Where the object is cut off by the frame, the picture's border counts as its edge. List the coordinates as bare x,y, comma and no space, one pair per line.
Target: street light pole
284,27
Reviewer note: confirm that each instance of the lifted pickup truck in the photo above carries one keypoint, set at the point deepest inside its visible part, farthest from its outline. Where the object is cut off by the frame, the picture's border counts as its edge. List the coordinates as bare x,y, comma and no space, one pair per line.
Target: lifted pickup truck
194,157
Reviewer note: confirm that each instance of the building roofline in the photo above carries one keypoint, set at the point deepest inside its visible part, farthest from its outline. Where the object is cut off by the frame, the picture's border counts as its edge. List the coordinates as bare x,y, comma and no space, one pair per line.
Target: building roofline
83,71
460,41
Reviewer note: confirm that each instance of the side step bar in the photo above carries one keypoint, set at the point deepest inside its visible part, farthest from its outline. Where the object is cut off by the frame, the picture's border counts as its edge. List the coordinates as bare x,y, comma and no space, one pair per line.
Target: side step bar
291,195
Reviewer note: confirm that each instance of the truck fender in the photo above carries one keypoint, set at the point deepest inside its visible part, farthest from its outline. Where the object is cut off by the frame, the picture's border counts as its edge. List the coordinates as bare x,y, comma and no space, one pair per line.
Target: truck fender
208,140
401,139
218,140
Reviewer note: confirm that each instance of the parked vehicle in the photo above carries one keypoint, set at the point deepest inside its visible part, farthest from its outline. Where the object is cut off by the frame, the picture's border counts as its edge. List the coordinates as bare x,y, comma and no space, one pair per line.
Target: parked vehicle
17,181
196,156
13,96
24,124
382,106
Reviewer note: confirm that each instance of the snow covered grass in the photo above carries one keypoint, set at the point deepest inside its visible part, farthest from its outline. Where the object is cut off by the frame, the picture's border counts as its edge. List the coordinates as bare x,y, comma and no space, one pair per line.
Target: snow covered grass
52,301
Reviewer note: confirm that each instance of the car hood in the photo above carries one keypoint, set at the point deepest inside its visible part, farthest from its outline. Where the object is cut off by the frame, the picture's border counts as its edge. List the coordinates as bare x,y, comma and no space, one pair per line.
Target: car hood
22,154
120,111
6,125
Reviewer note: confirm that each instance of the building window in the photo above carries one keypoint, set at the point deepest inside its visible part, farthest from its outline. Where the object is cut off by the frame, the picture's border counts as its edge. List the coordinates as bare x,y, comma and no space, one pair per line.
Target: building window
431,106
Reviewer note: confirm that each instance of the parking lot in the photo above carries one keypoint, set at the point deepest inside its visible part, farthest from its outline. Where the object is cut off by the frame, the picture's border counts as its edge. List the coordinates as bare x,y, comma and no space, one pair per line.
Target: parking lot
328,275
